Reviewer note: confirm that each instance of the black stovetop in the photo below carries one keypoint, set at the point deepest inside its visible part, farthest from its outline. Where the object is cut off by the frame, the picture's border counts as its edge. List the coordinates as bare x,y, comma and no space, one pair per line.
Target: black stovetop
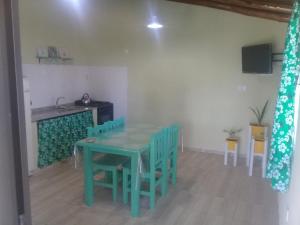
99,104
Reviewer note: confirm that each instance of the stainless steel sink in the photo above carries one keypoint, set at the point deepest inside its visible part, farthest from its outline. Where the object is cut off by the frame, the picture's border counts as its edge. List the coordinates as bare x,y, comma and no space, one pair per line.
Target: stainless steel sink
64,109
54,111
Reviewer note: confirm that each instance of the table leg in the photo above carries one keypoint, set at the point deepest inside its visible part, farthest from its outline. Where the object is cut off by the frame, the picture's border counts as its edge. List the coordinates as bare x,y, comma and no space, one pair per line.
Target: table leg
135,186
88,177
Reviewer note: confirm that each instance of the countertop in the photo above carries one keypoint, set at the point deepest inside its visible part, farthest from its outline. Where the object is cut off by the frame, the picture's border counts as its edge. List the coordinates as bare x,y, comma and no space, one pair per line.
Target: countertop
48,112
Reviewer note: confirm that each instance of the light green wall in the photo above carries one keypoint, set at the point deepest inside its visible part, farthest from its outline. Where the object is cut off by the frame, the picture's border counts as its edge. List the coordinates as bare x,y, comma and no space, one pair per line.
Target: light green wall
189,72
289,203
50,23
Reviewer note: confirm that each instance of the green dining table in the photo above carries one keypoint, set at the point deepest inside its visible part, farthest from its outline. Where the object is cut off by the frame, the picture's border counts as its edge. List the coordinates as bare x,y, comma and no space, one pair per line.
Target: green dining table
130,141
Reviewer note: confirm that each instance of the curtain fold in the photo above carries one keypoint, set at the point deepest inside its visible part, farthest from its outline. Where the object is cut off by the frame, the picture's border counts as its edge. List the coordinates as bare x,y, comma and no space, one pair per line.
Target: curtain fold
282,142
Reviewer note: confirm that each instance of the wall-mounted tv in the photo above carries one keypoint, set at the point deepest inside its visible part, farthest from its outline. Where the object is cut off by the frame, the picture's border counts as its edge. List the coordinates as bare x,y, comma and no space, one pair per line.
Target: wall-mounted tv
257,59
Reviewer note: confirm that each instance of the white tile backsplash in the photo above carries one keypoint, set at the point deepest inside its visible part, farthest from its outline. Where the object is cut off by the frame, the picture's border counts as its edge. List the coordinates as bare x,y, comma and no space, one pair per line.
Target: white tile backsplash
47,82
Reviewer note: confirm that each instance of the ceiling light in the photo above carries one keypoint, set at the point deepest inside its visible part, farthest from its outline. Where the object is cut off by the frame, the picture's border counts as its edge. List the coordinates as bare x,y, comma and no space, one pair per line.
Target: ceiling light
155,25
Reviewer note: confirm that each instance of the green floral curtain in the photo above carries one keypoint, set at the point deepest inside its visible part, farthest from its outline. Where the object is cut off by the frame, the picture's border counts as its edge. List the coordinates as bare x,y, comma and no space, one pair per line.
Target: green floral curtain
282,143
57,136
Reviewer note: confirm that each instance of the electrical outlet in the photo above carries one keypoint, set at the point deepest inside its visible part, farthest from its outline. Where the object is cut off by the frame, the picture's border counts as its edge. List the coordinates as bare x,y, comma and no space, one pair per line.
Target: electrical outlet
242,88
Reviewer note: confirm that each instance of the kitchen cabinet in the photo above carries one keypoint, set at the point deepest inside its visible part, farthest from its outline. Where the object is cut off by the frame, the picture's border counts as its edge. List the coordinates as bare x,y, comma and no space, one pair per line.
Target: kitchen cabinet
52,139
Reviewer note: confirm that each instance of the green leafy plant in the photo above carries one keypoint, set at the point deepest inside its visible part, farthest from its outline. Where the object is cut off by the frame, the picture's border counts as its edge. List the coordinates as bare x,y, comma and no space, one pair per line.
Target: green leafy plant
259,114
232,132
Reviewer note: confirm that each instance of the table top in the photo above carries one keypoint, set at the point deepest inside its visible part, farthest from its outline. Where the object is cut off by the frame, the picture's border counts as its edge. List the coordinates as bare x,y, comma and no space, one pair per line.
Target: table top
134,137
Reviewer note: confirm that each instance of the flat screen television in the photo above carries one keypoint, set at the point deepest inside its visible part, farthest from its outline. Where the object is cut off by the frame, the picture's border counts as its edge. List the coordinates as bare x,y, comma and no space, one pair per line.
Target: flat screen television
257,59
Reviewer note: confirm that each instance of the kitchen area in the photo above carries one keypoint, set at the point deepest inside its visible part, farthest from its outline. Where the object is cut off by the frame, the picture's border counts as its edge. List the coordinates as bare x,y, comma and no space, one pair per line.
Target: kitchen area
61,101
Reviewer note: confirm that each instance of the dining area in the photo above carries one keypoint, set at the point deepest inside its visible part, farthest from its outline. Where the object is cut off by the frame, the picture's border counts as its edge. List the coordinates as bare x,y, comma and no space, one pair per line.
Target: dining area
129,80
190,187
133,161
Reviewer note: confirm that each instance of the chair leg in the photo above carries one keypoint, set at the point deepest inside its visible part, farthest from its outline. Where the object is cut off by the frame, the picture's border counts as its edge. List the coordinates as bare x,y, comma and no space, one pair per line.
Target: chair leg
174,168
251,159
125,186
152,192
163,185
165,179
115,185
75,152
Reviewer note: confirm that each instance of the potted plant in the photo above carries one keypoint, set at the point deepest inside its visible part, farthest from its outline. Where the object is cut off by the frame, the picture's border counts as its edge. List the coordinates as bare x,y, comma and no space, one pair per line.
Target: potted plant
258,129
232,133
259,114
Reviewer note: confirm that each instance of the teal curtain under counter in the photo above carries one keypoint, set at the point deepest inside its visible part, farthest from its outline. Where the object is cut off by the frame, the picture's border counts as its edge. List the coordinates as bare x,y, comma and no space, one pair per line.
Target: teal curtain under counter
57,136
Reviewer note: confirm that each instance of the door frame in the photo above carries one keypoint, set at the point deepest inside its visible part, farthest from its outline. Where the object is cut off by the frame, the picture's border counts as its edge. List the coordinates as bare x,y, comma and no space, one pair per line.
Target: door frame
14,65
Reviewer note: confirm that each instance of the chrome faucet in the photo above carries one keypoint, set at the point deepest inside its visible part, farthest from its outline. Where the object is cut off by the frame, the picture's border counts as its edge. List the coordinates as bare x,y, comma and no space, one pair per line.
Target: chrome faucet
57,102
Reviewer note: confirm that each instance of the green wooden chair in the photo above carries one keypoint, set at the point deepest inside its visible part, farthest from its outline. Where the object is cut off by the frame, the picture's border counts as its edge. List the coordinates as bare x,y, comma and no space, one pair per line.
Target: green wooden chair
154,173
109,164
118,123
172,146
106,127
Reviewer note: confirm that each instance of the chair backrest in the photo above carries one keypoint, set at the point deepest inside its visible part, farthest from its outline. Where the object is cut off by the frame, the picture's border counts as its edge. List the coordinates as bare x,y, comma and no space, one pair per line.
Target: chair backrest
157,149
172,138
106,127
119,122
95,131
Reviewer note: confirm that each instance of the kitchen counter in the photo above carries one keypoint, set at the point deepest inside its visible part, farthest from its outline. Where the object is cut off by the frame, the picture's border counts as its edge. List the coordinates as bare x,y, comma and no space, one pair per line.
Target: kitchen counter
44,113
53,111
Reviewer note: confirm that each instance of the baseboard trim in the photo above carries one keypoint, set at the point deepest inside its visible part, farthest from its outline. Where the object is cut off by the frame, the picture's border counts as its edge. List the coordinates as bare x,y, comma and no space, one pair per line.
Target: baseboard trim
210,151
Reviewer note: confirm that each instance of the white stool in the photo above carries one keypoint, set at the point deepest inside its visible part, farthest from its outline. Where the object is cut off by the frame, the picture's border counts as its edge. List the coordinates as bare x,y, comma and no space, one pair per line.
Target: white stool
255,131
231,146
259,147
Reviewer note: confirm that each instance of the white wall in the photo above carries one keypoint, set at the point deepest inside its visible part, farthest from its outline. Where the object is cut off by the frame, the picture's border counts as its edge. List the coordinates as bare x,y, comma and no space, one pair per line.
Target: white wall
189,71
47,82
289,203
110,84
291,200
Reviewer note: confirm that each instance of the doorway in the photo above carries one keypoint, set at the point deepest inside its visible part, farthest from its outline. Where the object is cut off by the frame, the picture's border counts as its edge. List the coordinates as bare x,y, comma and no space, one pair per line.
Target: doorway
14,191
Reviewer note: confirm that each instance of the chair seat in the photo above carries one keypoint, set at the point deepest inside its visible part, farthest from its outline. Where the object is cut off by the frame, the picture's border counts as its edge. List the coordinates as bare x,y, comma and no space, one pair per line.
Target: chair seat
109,161
144,174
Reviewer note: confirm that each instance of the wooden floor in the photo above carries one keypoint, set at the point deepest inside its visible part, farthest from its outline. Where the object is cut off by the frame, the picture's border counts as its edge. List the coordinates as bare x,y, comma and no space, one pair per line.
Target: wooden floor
207,193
